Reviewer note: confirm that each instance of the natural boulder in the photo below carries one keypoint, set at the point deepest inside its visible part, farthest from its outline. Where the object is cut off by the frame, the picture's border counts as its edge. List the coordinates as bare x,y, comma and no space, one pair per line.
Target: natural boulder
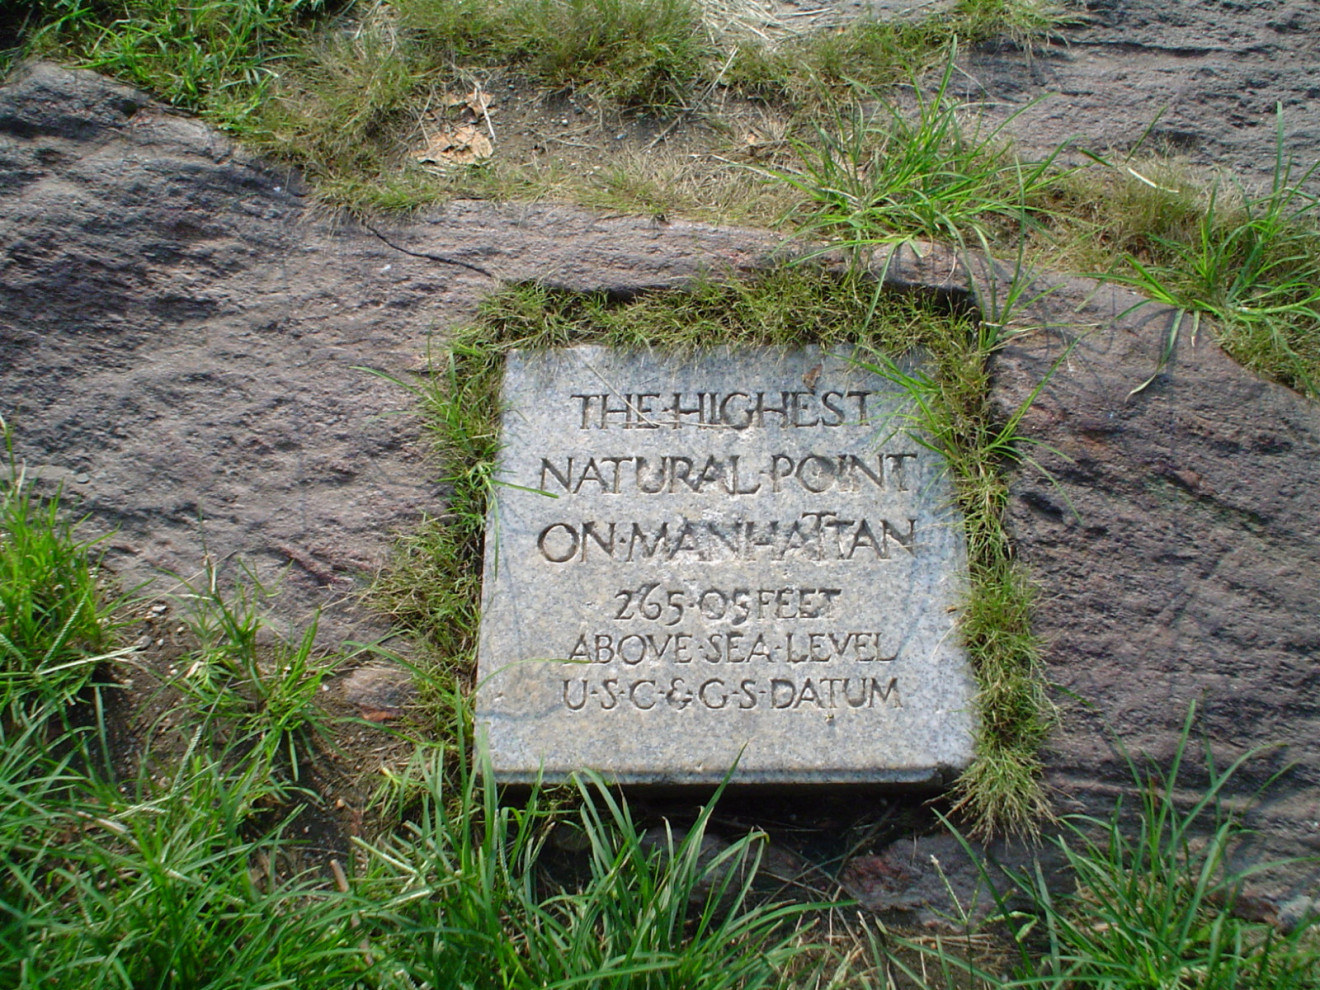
195,350
1172,532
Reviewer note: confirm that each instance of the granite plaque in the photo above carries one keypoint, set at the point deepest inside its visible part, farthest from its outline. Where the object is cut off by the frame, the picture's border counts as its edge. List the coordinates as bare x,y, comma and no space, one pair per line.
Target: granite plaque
734,557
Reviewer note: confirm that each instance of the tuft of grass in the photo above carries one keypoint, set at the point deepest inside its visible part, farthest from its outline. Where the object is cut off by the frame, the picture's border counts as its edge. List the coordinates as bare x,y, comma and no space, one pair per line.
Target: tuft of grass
168,875
253,694
433,586
165,884
1020,21
345,106
207,55
1151,902
645,54
818,68
896,173
863,55
459,900
1248,261
1252,263
54,618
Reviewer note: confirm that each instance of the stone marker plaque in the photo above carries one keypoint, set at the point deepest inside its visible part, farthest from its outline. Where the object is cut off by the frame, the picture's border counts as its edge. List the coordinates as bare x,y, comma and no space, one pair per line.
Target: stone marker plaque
733,557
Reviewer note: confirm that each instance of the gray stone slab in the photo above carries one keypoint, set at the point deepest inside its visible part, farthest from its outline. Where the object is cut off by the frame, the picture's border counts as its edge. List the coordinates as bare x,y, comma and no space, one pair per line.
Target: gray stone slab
736,557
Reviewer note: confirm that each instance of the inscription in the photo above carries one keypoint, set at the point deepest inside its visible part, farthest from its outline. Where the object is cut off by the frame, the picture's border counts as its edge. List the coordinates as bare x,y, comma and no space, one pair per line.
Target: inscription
652,603
727,410
823,535
717,694
732,647
679,474
679,538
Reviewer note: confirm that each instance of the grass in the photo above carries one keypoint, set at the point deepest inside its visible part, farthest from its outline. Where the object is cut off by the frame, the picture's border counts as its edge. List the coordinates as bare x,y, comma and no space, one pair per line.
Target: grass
178,885
1251,262
638,53
210,55
163,889
1153,899
864,55
181,870
659,55
458,882
54,621
256,697
898,174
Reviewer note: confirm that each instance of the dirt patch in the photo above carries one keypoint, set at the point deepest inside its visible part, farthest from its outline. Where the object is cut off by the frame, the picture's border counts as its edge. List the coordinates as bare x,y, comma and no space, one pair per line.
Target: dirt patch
1199,80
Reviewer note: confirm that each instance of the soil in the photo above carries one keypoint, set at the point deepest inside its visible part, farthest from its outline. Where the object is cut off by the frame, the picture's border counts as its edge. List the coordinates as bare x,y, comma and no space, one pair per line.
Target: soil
150,718
1196,81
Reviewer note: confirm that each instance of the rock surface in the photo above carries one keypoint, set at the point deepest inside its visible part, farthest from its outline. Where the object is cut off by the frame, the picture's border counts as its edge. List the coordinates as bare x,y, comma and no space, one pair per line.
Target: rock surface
185,341
1178,558
379,693
1199,79
931,880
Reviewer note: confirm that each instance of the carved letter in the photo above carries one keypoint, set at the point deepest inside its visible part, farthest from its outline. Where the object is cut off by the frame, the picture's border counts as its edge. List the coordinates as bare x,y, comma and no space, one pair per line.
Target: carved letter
890,689
723,695
581,702
562,478
555,557
632,695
